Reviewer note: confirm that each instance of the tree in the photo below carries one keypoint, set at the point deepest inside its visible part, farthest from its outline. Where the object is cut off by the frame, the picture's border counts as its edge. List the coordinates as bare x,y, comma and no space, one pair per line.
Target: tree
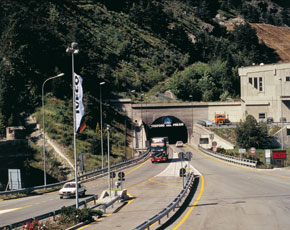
250,133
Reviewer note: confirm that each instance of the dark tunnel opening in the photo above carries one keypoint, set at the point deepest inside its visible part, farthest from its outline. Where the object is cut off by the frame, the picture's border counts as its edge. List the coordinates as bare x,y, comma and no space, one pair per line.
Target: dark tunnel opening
173,133
168,126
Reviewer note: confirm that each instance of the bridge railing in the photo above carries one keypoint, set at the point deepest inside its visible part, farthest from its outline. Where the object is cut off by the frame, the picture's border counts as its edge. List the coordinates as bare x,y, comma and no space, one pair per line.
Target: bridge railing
174,204
84,178
231,159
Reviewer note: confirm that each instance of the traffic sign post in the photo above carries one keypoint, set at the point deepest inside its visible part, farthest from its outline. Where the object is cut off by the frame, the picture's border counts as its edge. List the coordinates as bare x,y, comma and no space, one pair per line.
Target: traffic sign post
188,155
214,149
121,178
182,173
252,151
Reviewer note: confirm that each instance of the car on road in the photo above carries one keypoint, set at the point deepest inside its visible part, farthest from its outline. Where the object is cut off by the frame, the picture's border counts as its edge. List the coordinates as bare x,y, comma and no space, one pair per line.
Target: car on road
179,144
69,190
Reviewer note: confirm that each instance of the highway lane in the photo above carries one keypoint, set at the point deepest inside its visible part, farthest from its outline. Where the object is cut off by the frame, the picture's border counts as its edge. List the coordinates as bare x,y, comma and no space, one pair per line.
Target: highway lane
151,196
12,211
234,197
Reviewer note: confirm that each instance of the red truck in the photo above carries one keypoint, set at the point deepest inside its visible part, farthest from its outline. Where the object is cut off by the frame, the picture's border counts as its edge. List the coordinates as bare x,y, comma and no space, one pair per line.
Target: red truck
158,149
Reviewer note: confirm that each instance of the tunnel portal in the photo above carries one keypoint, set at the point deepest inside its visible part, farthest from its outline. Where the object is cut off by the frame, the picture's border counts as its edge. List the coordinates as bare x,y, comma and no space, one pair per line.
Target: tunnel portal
168,126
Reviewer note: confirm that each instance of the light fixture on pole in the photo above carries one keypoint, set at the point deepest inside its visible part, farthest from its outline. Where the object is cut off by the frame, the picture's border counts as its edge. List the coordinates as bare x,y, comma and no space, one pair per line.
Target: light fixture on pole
73,50
109,170
281,119
132,126
101,123
43,126
142,94
191,98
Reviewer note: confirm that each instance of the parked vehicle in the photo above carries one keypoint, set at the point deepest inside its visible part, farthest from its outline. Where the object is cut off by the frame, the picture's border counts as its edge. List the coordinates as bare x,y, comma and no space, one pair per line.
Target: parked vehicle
220,119
205,123
159,149
69,190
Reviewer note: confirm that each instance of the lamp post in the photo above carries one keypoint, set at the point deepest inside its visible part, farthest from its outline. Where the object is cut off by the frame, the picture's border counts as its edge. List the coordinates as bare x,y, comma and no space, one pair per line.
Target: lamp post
191,98
132,126
43,126
73,50
282,136
142,94
101,115
109,173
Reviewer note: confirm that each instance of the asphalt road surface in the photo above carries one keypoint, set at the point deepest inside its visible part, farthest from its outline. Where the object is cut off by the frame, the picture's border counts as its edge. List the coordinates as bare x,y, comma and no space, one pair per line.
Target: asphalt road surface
224,196
138,179
234,197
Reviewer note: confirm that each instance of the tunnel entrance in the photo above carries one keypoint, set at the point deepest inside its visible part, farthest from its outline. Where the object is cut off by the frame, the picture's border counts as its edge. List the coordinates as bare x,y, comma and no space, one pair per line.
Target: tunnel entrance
168,126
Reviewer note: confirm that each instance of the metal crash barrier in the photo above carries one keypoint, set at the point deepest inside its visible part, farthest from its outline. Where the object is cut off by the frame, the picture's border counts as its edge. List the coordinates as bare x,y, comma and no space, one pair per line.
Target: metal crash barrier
84,178
174,204
231,159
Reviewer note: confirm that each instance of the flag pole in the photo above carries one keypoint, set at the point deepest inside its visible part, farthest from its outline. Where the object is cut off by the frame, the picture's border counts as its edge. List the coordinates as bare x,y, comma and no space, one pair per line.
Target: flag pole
73,50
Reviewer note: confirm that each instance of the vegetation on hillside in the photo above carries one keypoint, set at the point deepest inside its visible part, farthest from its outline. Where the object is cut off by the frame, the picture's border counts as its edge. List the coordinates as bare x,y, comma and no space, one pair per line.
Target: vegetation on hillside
149,46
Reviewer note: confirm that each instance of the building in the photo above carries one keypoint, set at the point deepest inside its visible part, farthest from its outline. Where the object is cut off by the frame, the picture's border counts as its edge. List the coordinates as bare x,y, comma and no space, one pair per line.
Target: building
265,91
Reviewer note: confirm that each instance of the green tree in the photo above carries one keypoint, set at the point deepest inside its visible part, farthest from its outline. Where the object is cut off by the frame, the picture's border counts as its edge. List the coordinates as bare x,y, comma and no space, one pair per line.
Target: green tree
250,133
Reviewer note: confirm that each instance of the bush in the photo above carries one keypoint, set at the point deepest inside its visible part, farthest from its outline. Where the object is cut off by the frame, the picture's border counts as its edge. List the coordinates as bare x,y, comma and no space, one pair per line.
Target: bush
72,214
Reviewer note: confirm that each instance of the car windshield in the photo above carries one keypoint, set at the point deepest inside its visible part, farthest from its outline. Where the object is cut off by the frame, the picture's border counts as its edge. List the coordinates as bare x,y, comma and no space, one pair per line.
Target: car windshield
69,186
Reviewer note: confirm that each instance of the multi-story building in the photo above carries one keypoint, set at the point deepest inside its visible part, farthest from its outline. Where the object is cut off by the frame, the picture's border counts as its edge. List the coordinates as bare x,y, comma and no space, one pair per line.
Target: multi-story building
265,91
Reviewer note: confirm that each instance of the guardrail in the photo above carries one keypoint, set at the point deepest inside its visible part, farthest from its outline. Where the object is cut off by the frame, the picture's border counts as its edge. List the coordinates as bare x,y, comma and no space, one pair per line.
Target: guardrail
174,204
231,159
86,177
47,215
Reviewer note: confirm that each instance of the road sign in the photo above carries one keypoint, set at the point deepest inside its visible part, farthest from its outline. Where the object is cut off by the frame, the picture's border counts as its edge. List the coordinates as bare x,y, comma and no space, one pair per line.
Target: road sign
188,155
214,143
214,149
252,150
182,172
121,174
181,155
242,151
267,161
279,154
267,153
211,136
112,175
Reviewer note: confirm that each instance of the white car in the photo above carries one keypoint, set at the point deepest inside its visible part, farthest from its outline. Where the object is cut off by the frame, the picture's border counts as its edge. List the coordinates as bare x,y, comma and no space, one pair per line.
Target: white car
179,144
69,190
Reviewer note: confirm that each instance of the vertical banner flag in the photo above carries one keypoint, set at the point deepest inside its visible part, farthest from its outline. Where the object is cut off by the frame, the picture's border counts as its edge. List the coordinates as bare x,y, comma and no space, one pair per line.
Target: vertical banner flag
79,106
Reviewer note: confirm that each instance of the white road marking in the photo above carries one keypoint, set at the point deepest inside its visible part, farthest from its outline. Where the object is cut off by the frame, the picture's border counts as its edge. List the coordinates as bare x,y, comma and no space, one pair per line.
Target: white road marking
8,210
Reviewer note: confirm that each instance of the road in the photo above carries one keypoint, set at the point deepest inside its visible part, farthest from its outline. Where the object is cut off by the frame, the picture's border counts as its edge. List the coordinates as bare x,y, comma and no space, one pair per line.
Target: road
234,197
139,180
223,197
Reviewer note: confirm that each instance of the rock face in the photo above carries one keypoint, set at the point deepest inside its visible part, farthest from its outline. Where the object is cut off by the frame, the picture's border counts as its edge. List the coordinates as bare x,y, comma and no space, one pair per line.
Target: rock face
277,38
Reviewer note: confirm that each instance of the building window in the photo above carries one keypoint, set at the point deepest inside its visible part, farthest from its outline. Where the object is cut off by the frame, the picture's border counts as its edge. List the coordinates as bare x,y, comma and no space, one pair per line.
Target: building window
251,80
256,82
262,115
203,141
260,84
287,78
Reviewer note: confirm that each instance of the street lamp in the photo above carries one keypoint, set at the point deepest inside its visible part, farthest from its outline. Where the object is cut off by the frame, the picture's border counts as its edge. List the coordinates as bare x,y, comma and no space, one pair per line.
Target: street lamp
109,173
101,115
191,98
142,94
132,126
282,136
43,127
73,50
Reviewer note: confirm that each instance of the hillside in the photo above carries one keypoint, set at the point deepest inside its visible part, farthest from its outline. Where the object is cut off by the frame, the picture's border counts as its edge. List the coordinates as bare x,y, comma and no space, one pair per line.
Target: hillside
148,46
277,38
